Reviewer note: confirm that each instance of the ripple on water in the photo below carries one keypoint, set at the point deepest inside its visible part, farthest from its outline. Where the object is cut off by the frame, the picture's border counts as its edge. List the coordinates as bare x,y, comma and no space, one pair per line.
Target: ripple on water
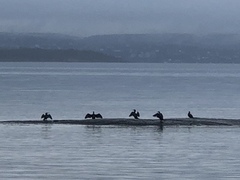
115,152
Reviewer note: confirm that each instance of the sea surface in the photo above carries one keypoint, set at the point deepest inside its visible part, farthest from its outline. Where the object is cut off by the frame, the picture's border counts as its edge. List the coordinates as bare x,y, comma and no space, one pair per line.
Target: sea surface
70,90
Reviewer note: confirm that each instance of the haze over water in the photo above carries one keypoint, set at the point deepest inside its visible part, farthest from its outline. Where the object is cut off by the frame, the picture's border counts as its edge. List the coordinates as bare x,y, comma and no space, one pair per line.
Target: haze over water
70,90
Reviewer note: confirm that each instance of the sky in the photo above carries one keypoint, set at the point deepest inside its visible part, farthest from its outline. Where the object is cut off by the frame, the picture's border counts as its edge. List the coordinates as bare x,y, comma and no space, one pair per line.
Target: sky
92,17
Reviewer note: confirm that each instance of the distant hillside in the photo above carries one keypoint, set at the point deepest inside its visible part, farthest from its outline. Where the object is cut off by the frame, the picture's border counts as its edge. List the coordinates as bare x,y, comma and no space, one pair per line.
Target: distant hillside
187,48
38,40
52,55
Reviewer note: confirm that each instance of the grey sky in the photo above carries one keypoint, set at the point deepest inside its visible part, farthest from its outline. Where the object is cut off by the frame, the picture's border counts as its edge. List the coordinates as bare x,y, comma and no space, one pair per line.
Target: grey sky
88,17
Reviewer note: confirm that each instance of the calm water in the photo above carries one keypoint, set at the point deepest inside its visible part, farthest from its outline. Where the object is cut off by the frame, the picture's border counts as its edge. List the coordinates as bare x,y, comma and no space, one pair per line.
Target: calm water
70,90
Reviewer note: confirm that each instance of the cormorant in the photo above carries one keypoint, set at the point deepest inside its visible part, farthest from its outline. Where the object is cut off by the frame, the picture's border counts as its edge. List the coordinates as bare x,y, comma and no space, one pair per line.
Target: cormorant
135,114
158,115
46,116
93,115
190,115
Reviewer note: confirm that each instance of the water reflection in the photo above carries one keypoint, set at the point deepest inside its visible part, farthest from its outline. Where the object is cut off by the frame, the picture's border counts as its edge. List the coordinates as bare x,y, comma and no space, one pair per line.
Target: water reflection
46,131
159,129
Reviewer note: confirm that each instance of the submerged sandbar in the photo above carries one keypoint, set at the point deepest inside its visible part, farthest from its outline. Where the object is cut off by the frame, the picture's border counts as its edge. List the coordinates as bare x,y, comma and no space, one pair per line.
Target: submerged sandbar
135,122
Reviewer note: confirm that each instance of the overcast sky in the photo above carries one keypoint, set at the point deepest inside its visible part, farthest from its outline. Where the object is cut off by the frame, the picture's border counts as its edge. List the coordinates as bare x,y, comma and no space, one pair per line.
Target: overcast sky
91,17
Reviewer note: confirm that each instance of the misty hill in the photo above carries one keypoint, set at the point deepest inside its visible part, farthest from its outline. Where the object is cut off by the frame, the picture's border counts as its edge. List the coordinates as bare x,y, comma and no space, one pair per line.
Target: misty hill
213,48
38,40
53,55
216,48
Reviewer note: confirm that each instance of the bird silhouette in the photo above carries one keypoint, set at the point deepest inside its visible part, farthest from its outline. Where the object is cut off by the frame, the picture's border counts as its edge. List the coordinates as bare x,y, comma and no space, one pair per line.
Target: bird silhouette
93,116
135,114
158,115
190,115
46,116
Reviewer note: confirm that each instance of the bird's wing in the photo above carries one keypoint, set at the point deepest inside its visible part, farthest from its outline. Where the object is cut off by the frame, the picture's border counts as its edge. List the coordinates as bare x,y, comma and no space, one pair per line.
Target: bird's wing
50,116
131,114
99,115
42,116
88,116
155,115
138,114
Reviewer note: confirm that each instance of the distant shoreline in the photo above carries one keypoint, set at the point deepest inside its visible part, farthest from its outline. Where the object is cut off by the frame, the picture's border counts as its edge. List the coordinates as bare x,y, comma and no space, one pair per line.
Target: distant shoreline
53,55
140,48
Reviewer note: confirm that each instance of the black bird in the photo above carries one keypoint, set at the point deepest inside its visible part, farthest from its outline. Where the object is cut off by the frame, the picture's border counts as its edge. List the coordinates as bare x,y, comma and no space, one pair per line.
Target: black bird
93,115
46,116
158,115
135,114
190,115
